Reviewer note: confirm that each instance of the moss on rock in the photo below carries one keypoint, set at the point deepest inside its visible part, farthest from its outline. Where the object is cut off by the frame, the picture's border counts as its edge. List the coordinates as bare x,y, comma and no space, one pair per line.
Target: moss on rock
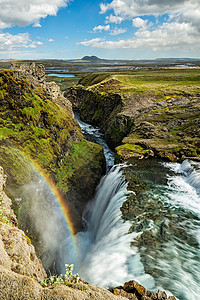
37,124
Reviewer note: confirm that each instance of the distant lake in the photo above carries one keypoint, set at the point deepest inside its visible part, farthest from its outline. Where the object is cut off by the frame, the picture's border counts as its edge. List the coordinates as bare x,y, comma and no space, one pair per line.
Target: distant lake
60,75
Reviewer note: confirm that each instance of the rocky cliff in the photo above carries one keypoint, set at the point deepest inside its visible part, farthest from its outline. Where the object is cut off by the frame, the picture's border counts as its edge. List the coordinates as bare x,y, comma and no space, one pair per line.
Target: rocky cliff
40,139
144,114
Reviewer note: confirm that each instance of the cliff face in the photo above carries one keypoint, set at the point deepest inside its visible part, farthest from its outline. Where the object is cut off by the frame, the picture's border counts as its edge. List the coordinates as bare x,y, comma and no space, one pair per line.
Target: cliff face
143,114
17,254
37,127
101,110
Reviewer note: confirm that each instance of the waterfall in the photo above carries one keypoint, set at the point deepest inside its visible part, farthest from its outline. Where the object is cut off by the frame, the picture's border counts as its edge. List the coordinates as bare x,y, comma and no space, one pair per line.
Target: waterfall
105,257
191,171
103,213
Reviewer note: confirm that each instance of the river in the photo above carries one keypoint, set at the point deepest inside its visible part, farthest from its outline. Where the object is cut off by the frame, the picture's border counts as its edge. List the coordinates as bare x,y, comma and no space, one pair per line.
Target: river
169,258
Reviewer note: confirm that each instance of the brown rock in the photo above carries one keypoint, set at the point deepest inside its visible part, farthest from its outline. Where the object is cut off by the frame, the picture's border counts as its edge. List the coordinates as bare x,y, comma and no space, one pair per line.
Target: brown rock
116,292
161,295
140,289
55,93
151,295
129,286
2,179
135,291
18,287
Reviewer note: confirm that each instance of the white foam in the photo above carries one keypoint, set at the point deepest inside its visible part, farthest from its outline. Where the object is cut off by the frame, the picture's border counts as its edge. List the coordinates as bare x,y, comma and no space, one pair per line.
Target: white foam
106,258
184,186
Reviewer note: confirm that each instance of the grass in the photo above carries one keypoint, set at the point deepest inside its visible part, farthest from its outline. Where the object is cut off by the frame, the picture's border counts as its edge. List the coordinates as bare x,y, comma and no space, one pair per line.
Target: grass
163,84
93,79
35,124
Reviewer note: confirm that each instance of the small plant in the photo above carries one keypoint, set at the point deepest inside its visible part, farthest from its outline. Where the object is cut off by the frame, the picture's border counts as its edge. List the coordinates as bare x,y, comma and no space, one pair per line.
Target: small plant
67,278
3,217
28,239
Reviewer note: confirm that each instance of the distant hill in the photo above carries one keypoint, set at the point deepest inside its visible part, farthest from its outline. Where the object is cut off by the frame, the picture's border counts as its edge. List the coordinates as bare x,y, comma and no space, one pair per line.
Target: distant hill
94,59
177,59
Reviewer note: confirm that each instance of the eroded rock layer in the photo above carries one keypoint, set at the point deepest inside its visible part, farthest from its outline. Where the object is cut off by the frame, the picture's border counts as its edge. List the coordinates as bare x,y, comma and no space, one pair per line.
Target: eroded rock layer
144,114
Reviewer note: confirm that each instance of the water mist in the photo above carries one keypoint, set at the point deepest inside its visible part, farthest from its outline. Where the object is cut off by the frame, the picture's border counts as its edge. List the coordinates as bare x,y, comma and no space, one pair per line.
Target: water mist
41,219
105,257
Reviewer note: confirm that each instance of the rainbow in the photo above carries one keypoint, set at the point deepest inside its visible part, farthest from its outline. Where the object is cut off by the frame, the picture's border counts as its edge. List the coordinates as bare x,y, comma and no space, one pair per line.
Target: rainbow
57,196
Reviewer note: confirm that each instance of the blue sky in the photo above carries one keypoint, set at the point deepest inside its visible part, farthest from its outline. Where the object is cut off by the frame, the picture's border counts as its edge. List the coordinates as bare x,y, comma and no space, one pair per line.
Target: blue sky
123,29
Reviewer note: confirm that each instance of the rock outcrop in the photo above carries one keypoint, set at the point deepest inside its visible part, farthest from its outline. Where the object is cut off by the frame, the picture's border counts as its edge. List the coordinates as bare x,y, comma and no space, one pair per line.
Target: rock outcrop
142,123
134,291
34,73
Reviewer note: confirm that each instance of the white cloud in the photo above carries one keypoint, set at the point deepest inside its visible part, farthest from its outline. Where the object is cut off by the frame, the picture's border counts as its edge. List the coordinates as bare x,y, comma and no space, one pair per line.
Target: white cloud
101,28
187,11
114,19
51,40
138,22
9,42
37,24
134,8
24,13
180,29
38,43
117,31
104,8
168,36
92,43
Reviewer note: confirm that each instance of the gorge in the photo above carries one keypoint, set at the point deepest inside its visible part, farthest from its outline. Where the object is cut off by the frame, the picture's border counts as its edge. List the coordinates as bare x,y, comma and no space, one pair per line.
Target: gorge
164,235
148,202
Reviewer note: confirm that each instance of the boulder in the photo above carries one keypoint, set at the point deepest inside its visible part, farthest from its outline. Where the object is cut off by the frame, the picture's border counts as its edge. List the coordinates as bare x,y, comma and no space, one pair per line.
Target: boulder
134,291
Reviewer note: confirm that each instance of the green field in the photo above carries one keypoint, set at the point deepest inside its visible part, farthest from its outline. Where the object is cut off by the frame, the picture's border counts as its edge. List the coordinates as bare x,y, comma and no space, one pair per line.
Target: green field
161,83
